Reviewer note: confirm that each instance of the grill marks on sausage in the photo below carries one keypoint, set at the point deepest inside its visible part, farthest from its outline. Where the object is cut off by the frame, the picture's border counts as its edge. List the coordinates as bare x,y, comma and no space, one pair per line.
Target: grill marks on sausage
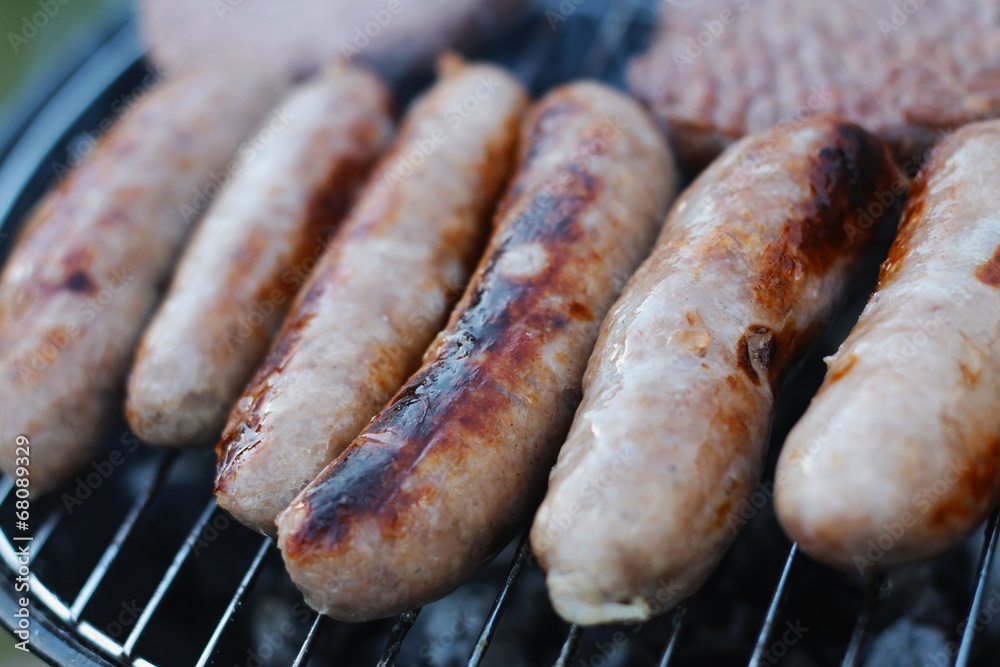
843,177
912,212
455,387
756,352
285,345
975,484
505,152
580,311
841,368
324,212
543,127
76,264
988,272
79,282
543,122
328,205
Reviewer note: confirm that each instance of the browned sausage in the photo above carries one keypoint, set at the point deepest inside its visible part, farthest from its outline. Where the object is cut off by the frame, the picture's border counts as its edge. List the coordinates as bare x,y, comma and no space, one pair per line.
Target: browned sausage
444,475
380,293
88,269
238,274
679,394
898,456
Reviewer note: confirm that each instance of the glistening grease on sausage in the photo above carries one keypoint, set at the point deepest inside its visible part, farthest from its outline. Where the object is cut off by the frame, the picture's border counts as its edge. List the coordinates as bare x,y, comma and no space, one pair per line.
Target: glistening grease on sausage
898,456
90,265
443,476
379,295
679,392
236,278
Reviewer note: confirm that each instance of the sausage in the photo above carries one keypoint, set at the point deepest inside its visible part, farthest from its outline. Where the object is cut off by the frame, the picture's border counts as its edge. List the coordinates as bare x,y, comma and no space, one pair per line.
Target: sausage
89,266
379,294
236,278
679,393
896,458
395,36
452,466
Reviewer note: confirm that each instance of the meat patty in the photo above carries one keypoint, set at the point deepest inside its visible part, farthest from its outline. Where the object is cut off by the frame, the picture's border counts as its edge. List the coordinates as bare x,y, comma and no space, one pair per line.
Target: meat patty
904,69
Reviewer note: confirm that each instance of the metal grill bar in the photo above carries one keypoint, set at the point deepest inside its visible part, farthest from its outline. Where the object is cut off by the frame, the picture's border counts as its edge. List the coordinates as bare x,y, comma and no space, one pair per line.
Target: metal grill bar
235,603
569,647
777,599
124,530
490,626
985,564
6,486
873,585
614,25
168,579
675,632
44,532
396,637
307,646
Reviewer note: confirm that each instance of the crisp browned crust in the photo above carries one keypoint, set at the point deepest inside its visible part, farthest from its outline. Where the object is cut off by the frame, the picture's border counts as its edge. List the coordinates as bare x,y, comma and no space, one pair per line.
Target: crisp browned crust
237,275
380,293
907,71
440,479
666,448
912,392
89,266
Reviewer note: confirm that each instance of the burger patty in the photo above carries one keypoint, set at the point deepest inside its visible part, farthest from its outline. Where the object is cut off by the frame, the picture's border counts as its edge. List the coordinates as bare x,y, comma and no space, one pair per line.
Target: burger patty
908,70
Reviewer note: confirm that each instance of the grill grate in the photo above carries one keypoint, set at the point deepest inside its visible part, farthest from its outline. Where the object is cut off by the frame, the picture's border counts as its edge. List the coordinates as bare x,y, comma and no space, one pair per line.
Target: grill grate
611,32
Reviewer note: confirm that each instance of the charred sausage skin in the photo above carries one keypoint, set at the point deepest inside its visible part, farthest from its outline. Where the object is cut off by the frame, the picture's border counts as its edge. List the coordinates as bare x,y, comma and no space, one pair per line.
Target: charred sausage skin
239,272
381,291
444,475
90,265
898,456
679,393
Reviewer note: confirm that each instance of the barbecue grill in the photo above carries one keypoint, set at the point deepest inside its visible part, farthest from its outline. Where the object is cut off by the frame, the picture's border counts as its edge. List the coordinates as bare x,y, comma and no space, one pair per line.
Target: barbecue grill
132,563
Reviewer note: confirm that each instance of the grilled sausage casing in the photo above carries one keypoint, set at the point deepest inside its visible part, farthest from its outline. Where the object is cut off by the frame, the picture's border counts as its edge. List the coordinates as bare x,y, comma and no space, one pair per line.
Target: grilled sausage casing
237,275
896,458
443,476
379,294
89,267
679,393
395,36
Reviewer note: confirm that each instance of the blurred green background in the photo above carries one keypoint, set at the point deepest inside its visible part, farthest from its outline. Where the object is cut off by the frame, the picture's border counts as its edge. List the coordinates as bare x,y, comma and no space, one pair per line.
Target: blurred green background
26,51
62,21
